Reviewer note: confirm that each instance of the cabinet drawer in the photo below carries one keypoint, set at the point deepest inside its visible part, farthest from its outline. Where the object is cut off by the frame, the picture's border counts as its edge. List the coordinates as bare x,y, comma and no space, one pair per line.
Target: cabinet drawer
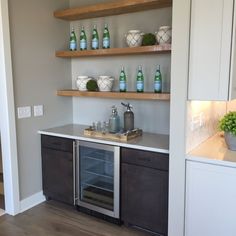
154,160
57,143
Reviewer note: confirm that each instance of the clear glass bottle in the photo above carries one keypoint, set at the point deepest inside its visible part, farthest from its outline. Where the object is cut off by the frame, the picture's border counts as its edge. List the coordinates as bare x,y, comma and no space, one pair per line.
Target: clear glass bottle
122,80
158,80
106,37
73,40
95,38
140,80
83,39
114,121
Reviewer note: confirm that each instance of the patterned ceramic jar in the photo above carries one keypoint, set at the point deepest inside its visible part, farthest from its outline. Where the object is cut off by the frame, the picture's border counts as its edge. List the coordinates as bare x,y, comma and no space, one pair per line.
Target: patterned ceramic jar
105,83
81,82
164,35
134,38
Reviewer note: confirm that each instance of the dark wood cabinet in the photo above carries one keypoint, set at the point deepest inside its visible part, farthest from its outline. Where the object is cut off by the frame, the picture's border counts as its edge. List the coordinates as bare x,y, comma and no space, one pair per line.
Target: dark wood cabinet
144,190
57,168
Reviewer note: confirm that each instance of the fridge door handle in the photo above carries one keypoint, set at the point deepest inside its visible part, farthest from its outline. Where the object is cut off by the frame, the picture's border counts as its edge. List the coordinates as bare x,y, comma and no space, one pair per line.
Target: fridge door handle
75,197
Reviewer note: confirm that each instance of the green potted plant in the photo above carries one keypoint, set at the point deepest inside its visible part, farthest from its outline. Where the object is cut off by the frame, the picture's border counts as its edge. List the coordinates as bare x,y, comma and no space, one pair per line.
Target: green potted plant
228,125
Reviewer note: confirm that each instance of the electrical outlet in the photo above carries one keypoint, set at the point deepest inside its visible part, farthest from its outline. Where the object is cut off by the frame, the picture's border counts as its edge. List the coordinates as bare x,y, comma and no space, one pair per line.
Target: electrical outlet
202,119
197,121
24,112
38,110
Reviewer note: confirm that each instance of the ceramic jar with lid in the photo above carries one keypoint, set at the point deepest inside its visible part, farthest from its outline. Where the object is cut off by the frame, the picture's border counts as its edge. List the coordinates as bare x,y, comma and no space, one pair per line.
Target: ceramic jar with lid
164,35
81,82
134,38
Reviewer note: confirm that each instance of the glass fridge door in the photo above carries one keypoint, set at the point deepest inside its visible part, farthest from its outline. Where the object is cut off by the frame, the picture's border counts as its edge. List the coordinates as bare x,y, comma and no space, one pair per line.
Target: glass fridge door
99,177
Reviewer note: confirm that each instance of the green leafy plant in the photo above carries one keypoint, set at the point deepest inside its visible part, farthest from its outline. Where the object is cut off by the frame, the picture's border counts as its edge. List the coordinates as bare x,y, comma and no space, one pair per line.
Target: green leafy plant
228,123
92,85
149,39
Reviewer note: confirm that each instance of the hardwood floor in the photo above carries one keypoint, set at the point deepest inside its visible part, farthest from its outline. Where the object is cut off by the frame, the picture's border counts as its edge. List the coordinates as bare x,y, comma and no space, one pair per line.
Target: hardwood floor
56,219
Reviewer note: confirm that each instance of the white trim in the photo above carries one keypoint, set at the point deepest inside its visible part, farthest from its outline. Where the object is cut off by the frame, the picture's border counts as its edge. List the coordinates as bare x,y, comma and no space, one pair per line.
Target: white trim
32,201
178,114
7,117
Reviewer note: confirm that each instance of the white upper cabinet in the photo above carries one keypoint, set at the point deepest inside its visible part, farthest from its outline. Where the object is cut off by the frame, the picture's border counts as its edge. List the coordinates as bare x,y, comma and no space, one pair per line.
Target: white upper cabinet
212,50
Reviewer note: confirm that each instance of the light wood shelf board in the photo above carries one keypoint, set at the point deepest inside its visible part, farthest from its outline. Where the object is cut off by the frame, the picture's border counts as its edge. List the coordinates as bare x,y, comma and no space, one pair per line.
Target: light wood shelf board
112,8
115,95
155,49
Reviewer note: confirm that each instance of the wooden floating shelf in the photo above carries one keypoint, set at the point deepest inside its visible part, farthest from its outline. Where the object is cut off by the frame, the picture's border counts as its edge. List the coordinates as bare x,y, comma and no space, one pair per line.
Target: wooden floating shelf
155,49
111,8
116,95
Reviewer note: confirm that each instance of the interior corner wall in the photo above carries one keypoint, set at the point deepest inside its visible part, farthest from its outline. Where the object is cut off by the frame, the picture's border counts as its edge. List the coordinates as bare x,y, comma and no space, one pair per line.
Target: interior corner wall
37,74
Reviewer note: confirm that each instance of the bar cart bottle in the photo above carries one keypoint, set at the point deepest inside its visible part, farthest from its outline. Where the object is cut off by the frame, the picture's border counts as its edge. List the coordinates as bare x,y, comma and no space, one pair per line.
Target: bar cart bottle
140,80
73,40
106,38
122,80
95,38
83,39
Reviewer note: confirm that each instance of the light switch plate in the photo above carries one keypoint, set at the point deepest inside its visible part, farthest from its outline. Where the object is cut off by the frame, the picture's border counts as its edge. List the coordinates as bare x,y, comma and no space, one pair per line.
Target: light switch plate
24,112
38,110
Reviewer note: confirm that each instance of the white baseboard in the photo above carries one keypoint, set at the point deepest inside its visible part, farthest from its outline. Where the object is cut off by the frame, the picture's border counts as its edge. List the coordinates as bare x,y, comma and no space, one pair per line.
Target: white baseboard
32,201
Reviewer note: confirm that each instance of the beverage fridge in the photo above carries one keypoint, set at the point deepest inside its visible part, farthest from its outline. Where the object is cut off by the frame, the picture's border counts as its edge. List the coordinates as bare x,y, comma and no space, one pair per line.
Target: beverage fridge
98,178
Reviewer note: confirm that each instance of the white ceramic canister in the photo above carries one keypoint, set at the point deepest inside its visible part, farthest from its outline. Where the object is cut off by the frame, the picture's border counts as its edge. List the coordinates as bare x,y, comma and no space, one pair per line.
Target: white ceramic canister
134,38
105,83
81,82
164,35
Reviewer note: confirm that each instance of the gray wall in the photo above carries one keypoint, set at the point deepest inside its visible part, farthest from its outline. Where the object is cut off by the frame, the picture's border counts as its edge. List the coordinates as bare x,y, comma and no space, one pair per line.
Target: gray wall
150,116
35,35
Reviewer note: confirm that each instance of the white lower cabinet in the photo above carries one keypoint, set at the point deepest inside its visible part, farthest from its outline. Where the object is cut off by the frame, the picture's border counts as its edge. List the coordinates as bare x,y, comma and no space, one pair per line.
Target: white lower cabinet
210,200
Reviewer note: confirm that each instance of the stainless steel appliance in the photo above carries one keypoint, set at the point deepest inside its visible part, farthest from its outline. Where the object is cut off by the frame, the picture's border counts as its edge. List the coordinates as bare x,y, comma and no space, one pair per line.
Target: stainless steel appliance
98,178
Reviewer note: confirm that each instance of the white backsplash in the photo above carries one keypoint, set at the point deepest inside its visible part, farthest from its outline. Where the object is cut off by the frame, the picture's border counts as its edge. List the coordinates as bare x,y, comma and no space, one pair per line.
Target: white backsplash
211,113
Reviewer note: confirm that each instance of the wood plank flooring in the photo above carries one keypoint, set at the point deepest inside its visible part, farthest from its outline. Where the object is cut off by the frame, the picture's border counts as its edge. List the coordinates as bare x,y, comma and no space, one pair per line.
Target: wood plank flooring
56,219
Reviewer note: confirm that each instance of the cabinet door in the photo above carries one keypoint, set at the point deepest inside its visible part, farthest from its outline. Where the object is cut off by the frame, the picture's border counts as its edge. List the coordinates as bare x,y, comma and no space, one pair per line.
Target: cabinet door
144,201
210,49
210,200
57,167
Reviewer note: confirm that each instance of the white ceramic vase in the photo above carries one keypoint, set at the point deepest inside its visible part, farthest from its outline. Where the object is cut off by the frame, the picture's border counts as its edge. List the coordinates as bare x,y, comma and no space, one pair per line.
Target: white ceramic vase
105,83
81,82
164,35
134,38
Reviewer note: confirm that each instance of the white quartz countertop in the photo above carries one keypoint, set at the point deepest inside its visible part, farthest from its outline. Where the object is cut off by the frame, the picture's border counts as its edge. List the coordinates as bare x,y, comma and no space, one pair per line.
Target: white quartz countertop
148,141
214,151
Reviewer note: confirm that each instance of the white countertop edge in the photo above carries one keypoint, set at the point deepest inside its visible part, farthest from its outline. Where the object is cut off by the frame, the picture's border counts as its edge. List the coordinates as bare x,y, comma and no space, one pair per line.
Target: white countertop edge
210,161
145,148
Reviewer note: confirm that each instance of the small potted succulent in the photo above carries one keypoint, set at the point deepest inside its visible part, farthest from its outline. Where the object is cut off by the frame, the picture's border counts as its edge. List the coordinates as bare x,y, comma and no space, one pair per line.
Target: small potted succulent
228,125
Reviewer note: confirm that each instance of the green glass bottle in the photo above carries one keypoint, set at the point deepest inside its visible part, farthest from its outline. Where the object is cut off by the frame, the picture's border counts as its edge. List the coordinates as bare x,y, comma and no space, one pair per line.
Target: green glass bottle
73,40
122,80
140,80
95,38
106,37
83,39
158,80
